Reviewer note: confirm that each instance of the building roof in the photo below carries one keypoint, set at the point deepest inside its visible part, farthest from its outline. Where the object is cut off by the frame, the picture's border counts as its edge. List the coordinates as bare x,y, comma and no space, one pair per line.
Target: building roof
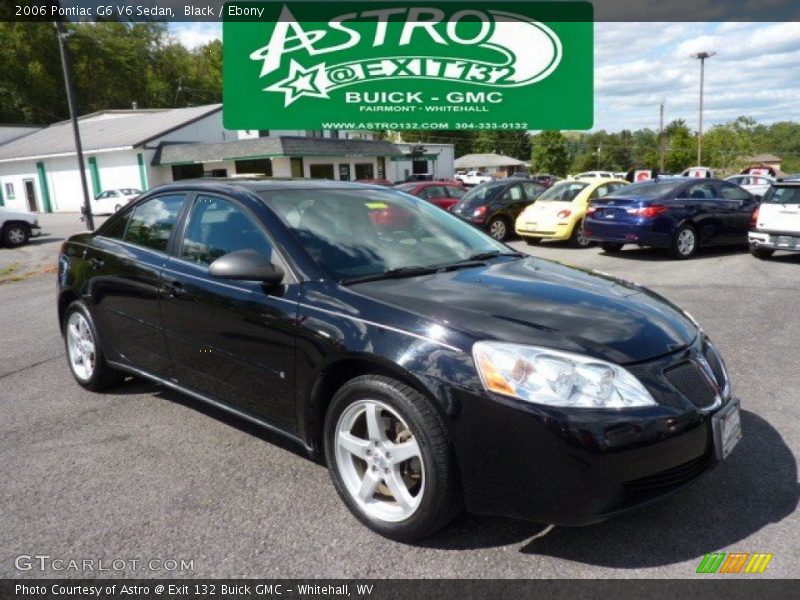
271,147
479,161
105,130
763,158
12,132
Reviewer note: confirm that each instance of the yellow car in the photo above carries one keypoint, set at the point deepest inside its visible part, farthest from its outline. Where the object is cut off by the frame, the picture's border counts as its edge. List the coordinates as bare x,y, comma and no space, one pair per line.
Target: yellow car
558,213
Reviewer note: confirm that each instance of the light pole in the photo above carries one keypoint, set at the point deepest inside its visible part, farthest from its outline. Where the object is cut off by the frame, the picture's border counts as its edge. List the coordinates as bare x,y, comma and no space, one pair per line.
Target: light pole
66,66
702,56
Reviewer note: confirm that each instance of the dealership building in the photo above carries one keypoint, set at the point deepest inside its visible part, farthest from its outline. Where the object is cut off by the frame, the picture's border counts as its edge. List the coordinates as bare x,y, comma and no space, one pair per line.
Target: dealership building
147,147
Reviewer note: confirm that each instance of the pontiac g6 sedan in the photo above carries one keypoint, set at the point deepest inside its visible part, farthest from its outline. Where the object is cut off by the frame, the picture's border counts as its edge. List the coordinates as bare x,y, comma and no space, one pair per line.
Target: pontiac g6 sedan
433,367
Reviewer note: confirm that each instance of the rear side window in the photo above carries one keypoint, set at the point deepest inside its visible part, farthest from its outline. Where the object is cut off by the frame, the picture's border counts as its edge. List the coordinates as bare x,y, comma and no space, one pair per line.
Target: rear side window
700,191
116,227
733,192
217,227
151,223
533,190
432,191
783,195
513,194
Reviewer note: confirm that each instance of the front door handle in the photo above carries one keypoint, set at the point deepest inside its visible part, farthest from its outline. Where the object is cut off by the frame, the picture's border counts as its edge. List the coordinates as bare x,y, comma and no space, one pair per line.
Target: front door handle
173,289
96,263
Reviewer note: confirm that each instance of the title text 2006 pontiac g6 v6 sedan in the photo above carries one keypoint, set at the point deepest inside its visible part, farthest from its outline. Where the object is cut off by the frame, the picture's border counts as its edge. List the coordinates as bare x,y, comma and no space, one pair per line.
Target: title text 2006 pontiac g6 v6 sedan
433,367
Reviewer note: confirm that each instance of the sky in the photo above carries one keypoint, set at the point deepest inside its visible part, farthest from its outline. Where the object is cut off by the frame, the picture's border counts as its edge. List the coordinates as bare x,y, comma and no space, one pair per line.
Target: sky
756,72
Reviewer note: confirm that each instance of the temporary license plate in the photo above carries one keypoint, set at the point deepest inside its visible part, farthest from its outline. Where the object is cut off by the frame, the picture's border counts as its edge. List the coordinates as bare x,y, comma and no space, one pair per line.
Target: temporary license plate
727,426
786,241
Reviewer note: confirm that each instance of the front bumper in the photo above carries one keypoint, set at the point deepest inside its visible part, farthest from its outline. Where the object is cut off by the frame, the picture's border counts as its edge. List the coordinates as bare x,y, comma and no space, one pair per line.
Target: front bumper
771,240
36,231
580,466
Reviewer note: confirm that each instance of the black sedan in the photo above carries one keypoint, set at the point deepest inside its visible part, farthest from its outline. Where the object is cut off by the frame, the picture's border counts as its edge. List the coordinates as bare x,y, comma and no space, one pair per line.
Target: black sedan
433,367
495,205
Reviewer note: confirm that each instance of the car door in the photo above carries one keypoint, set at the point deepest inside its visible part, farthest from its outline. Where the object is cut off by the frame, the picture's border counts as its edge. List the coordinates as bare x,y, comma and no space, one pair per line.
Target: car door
737,211
513,201
704,210
231,340
125,263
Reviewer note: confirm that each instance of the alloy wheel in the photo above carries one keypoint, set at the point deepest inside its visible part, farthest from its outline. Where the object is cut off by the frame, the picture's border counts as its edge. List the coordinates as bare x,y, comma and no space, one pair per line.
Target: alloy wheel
16,235
379,460
80,347
686,242
498,229
580,236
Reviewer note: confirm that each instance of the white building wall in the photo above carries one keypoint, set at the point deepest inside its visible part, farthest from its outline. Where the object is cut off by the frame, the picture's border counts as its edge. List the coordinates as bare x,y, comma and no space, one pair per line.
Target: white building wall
207,129
282,167
441,168
15,174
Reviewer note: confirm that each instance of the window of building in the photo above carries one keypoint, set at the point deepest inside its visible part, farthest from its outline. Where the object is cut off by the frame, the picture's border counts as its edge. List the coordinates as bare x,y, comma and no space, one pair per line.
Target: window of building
419,166
10,191
321,171
334,134
296,165
314,133
186,172
254,166
216,173
152,222
217,227
263,133
365,171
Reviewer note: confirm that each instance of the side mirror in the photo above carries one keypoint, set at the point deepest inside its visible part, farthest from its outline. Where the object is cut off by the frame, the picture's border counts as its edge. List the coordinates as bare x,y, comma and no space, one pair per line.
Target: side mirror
246,265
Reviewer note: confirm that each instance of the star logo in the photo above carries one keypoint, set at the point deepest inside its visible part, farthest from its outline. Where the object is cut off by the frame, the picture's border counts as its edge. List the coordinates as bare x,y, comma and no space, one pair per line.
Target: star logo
302,82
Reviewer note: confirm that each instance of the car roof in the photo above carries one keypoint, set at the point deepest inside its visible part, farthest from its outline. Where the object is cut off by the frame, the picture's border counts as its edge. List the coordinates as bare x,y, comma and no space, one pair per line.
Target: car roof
265,184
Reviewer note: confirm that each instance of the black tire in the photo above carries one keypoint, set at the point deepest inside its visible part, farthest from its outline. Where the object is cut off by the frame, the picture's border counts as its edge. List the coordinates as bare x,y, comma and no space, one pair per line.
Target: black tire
761,253
103,376
611,247
15,234
532,241
577,239
496,231
681,250
441,498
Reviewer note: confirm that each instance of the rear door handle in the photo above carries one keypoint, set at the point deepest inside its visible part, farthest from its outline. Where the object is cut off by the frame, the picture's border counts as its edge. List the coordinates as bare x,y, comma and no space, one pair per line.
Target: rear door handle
174,289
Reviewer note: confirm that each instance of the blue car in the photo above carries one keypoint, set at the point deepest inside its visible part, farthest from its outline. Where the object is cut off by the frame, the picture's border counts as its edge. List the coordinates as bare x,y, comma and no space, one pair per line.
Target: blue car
679,215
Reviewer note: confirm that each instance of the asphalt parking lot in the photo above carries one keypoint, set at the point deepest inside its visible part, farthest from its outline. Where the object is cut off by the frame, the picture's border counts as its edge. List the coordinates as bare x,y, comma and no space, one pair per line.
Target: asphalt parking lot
142,472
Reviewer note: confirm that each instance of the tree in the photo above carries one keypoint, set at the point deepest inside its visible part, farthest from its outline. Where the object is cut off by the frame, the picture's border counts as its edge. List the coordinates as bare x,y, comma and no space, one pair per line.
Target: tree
550,153
516,143
681,148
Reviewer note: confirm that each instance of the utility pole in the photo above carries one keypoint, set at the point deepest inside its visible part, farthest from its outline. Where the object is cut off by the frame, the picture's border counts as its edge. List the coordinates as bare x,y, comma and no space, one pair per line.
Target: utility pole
661,139
66,66
702,56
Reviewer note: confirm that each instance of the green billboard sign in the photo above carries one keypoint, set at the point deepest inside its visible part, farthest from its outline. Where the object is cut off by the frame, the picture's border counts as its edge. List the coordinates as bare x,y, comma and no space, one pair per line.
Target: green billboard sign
408,65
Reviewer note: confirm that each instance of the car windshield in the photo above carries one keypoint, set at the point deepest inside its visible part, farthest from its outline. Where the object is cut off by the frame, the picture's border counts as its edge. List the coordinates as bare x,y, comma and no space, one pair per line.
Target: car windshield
566,191
353,234
648,189
783,195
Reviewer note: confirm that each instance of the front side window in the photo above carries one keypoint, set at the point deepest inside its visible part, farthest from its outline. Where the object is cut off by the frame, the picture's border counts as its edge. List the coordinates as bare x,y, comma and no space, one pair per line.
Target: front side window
151,222
566,191
533,190
700,191
432,191
455,192
217,227
513,194
352,233
783,195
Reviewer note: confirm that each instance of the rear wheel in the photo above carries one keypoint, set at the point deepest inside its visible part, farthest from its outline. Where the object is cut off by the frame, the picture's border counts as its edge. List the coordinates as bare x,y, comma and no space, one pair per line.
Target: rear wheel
684,244
15,234
578,237
761,253
610,247
498,228
84,353
389,458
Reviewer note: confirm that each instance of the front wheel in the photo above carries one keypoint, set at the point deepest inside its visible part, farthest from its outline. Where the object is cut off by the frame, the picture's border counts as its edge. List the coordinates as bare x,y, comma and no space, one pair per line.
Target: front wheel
684,244
389,458
498,229
15,235
761,253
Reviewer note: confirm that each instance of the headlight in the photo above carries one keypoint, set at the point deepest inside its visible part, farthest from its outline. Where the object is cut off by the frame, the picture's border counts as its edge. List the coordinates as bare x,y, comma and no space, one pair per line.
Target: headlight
555,378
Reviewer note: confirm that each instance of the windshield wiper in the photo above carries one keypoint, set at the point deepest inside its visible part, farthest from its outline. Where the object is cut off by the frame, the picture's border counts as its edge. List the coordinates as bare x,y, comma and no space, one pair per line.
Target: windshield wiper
392,274
494,254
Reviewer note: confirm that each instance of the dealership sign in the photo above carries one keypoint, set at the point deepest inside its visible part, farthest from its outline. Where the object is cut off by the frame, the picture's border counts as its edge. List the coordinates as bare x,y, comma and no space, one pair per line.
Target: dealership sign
409,65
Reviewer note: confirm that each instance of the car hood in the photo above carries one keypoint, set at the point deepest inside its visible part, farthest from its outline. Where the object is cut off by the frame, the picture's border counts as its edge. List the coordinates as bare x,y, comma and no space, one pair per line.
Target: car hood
22,215
539,302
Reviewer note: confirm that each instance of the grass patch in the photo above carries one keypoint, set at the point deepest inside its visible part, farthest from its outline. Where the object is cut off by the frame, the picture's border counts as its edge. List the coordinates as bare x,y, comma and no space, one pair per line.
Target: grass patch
9,270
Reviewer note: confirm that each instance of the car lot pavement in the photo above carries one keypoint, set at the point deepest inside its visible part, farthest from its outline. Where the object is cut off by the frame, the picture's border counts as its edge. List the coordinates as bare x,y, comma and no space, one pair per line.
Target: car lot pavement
142,472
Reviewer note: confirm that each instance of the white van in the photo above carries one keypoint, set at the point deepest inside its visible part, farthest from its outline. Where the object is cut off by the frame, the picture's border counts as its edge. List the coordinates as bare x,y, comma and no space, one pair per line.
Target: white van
776,222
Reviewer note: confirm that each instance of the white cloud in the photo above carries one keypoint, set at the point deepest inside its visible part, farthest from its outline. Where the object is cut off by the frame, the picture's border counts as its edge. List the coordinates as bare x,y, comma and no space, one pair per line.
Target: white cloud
193,35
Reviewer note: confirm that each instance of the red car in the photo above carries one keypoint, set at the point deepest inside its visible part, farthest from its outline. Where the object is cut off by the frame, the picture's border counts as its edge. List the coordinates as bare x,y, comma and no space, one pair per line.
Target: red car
443,194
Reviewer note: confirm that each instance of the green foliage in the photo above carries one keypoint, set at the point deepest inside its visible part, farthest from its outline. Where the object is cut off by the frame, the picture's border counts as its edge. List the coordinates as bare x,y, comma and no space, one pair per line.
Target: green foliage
114,64
516,144
550,154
